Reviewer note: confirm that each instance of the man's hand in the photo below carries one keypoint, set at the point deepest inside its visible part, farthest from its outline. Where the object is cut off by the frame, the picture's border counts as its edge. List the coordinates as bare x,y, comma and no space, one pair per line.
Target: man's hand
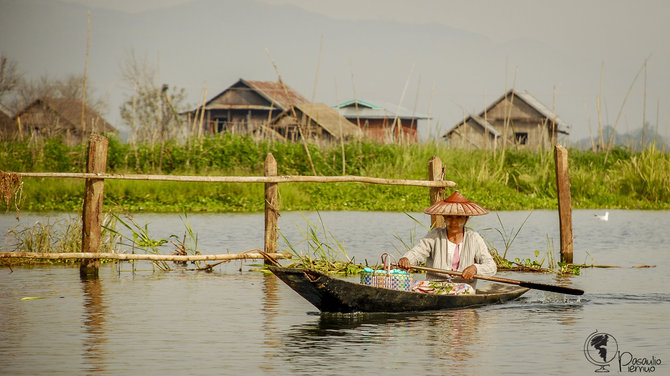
469,272
404,263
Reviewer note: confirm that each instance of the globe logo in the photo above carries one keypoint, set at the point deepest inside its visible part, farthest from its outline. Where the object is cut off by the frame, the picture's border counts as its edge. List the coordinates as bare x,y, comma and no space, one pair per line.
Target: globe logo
600,349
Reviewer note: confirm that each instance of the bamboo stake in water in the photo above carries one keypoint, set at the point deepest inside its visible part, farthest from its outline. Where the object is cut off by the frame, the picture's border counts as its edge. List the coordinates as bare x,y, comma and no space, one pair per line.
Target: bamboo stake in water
564,203
271,206
92,211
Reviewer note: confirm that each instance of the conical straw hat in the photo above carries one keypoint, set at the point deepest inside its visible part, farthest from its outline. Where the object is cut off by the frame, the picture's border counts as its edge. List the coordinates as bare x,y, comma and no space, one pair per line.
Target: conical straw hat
456,204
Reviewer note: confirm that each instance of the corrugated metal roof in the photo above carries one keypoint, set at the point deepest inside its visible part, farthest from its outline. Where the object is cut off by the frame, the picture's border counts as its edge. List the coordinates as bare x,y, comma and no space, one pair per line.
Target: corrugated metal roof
381,110
356,103
478,120
486,125
544,110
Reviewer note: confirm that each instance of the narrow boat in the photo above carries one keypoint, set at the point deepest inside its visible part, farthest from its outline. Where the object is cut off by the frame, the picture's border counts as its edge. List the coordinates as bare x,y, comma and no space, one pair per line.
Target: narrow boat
336,295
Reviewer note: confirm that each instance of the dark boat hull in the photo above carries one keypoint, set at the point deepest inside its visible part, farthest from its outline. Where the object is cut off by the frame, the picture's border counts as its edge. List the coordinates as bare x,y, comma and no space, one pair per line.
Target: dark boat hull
337,295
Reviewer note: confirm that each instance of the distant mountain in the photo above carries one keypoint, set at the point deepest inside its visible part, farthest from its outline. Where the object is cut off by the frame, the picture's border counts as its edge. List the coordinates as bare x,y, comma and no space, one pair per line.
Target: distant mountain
631,139
212,43
209,44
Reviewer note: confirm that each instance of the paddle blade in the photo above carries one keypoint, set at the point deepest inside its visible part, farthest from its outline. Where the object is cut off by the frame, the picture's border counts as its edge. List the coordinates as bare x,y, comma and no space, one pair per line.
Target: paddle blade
552,288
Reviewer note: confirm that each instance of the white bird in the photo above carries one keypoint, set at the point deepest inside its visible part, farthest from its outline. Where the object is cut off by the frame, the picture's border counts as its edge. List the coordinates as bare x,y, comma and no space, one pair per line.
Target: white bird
603,217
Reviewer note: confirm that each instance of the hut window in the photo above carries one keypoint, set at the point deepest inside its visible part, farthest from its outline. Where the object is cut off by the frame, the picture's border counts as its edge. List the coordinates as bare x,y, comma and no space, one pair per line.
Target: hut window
521,137
220,123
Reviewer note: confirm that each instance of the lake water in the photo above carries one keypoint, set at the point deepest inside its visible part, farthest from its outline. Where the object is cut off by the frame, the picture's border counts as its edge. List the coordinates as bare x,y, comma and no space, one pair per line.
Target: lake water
236,321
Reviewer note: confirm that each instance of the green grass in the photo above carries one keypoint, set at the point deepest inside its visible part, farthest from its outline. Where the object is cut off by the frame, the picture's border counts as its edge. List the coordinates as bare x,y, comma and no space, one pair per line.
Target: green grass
522,180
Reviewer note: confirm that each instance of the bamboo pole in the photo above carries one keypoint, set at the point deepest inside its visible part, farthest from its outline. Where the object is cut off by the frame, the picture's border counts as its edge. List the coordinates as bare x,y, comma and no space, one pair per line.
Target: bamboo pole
564,202
242,179
610,142
435,173
83,90
271,206
601,145
129,256
293,113
92,210
397,112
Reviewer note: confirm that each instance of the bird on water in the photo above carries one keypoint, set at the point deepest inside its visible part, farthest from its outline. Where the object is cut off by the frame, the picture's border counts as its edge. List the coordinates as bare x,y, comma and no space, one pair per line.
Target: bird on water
603,217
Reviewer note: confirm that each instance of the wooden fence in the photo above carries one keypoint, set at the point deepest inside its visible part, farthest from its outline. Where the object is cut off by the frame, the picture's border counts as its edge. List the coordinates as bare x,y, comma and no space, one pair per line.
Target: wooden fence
95,176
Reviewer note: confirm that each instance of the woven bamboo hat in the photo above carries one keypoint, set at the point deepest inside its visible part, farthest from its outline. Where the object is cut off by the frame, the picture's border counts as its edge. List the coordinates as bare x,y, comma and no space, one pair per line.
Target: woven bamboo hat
456,204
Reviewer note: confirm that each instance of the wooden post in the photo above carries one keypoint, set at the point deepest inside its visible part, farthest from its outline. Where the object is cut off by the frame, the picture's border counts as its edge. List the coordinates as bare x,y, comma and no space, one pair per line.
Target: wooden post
92,212
271,206
564,202
435,172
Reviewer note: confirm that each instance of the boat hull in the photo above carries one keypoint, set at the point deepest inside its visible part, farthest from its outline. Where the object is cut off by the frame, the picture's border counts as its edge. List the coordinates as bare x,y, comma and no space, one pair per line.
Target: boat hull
337,295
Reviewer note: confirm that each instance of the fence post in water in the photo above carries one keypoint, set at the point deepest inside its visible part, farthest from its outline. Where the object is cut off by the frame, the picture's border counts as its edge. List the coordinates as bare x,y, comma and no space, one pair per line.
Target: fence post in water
564,202
436,173
91,227
271,206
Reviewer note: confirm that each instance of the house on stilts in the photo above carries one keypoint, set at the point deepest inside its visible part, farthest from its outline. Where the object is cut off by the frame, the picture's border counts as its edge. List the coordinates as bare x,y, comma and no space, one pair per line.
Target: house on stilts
517,119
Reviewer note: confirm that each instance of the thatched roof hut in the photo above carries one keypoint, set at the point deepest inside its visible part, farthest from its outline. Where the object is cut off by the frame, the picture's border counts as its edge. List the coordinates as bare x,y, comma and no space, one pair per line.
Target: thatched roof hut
315,121
245,106
60,117
382,122
516,118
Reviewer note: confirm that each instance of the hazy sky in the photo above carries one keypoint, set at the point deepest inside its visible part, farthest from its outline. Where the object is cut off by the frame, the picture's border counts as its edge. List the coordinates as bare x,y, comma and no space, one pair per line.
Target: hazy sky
574,40
598,24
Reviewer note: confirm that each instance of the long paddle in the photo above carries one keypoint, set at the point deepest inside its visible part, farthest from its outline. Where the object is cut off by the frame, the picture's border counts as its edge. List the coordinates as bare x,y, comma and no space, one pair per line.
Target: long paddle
530,285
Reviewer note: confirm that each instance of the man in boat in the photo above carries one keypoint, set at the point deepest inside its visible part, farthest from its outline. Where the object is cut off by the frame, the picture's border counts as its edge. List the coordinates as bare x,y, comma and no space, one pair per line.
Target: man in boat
453,247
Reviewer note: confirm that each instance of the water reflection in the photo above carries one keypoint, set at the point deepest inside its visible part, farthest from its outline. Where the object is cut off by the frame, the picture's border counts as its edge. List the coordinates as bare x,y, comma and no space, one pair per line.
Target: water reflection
271,337
94,325
453,333
325,341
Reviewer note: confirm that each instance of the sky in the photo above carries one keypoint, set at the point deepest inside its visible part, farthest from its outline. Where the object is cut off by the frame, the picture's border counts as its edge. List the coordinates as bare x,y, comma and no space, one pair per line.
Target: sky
444,58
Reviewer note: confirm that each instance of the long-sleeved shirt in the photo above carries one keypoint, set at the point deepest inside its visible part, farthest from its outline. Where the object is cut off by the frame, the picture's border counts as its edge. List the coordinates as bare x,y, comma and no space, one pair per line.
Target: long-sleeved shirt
434,250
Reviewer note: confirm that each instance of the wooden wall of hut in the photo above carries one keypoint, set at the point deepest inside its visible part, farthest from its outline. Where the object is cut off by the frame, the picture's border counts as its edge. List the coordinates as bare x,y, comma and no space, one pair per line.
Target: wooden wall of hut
379,130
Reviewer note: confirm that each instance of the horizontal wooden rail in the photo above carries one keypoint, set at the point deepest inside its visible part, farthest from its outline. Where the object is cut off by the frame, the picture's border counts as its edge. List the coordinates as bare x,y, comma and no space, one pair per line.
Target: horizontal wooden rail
150,257
243,179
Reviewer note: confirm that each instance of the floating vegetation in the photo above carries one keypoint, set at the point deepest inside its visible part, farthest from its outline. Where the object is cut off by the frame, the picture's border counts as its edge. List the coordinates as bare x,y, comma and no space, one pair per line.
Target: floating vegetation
139,239
60,236
527,264
11,187
322,251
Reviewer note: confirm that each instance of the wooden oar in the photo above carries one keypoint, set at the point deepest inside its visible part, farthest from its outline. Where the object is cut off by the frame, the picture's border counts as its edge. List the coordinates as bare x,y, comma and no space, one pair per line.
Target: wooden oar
530,285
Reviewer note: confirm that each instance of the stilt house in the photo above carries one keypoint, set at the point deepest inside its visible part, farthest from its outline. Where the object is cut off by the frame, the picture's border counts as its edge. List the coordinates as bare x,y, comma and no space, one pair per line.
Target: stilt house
516,119
245,106
314,122
5,122
59,117
382,123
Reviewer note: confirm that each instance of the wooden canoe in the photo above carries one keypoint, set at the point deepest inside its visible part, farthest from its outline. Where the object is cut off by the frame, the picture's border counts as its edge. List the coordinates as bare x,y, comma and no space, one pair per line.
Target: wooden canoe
336,295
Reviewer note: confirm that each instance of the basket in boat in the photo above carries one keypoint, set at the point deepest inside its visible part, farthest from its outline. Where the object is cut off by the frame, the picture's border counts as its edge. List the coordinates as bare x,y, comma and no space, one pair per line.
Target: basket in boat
395,279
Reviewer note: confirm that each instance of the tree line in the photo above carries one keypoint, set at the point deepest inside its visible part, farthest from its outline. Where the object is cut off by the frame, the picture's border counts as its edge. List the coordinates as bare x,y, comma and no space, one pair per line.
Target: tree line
151,108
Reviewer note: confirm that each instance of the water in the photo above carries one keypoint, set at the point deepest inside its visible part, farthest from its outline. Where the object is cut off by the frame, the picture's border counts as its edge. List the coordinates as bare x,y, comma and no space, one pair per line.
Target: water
234,322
